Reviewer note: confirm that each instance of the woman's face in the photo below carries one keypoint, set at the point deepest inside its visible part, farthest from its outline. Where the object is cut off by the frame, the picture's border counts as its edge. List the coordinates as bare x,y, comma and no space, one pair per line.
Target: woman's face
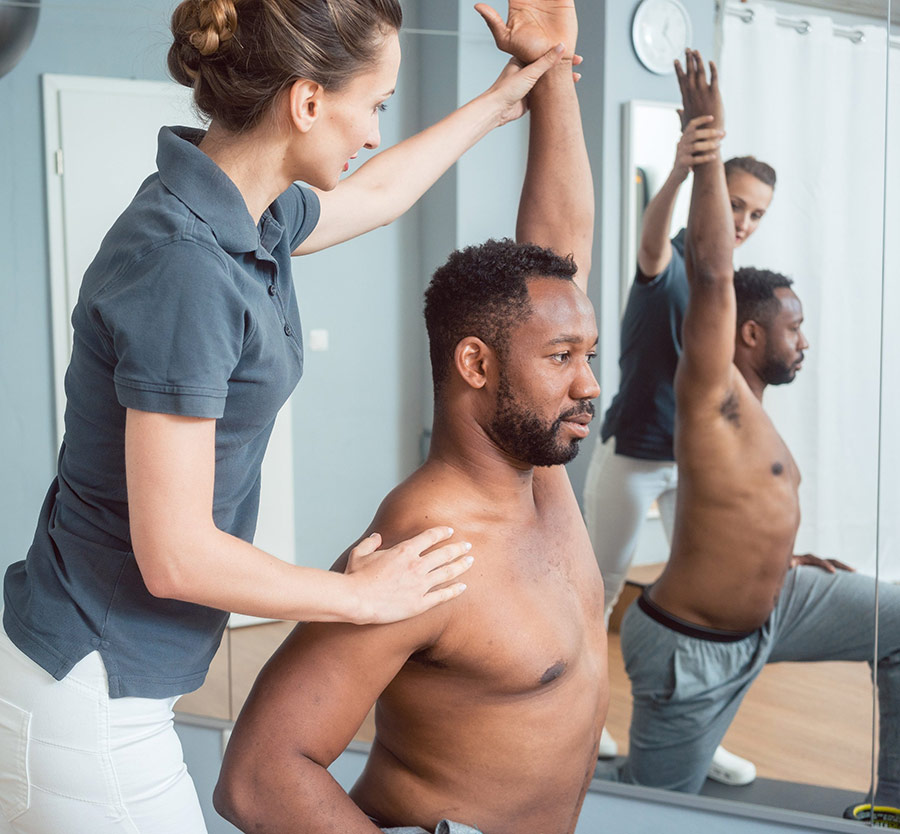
348,120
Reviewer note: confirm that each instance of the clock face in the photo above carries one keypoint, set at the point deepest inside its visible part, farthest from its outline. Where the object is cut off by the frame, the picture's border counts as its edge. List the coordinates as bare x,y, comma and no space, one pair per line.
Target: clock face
661,31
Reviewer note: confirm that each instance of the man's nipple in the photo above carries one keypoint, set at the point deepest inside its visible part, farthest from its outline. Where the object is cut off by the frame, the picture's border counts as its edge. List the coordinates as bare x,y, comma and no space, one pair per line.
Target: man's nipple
553,672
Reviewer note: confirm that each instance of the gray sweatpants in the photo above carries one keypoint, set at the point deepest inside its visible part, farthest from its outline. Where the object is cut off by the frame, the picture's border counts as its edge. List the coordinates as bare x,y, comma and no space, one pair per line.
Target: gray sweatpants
443,827
686,690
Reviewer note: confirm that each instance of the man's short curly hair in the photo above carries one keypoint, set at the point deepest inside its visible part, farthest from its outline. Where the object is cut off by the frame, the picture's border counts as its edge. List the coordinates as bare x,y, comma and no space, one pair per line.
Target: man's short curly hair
755,292
483,291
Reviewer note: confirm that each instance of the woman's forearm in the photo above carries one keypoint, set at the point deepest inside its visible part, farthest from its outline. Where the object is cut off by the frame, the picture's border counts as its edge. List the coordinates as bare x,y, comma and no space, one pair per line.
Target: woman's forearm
655,250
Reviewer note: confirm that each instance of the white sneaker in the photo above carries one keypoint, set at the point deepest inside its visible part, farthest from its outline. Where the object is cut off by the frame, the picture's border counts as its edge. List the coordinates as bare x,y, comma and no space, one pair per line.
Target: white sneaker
608,748
730,769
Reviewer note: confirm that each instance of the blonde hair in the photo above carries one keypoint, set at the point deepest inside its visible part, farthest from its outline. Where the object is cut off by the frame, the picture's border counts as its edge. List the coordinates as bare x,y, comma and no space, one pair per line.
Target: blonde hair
239,55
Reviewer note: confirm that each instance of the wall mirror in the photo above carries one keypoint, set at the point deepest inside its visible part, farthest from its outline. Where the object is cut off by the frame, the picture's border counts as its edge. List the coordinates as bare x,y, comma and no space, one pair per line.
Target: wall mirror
825,229
786,77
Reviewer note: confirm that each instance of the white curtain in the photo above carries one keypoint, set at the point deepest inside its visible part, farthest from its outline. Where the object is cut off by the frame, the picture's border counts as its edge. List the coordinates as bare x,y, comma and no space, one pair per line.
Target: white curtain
813,106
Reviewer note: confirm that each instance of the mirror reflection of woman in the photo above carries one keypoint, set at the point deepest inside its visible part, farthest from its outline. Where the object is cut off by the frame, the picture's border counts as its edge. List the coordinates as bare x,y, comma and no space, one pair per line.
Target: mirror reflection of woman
187,341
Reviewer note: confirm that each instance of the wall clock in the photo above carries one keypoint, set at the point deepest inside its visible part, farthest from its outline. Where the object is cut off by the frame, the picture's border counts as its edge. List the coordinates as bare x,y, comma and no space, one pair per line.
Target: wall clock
661,31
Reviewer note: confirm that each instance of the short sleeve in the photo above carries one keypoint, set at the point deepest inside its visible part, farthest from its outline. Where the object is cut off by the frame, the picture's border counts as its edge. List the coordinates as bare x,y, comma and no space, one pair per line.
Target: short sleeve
673,269
300,211
175,322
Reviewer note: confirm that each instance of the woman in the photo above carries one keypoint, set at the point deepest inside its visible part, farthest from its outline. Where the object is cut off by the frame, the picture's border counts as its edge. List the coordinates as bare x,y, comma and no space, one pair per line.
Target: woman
186,344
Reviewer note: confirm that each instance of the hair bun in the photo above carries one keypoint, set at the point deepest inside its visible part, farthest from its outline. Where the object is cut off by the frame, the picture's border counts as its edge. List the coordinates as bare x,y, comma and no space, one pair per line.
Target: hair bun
206,24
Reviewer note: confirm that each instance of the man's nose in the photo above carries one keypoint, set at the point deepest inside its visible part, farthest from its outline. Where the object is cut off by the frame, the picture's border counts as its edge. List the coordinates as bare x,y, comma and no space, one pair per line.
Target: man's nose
586,386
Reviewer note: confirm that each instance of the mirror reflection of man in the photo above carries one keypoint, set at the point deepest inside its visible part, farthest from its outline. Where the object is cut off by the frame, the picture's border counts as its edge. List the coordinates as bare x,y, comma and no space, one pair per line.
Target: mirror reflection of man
488,711
634,465
732,596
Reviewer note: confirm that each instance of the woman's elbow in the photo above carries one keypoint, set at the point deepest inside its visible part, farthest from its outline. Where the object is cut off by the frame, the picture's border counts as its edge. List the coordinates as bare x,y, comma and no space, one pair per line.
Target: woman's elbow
160,572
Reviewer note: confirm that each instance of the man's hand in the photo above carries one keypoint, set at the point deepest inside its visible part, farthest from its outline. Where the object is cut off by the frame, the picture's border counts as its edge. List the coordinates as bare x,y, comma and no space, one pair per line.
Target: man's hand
830,565
700,97
698,144
533,27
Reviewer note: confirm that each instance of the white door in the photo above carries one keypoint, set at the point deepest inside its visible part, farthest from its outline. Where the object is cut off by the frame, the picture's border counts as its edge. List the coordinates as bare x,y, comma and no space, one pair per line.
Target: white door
100,142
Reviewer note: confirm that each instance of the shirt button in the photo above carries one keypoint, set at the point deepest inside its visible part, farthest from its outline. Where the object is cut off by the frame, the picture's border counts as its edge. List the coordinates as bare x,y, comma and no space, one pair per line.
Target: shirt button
288,331
272,289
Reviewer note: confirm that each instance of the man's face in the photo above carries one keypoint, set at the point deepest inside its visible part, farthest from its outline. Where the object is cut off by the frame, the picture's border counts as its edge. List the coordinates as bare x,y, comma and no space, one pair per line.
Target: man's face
546,384
750,198
785,342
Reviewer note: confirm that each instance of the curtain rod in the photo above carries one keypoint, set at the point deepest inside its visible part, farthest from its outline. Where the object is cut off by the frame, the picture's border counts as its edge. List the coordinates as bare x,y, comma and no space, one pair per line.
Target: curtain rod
803,27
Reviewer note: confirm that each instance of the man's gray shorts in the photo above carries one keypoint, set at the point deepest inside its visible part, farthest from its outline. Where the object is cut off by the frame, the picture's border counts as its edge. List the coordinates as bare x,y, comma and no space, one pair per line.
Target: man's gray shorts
443,827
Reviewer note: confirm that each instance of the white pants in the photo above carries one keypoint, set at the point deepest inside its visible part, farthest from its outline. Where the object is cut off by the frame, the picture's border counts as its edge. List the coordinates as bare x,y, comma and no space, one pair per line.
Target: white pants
618,492
75,761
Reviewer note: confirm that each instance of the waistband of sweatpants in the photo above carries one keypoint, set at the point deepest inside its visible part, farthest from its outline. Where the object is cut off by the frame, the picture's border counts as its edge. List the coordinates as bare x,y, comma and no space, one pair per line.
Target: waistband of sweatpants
714,635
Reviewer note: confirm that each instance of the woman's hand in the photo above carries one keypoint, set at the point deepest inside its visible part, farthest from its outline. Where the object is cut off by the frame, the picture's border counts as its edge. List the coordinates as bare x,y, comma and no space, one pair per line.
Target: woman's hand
533,27
516,82
698,144
404,580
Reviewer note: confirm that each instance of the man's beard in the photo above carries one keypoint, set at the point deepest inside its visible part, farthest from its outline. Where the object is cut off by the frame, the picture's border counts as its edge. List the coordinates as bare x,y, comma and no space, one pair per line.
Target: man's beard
524,436
775,371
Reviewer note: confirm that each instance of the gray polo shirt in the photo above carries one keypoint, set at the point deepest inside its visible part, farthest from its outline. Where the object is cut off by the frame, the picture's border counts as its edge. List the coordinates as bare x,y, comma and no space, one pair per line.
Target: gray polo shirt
188,308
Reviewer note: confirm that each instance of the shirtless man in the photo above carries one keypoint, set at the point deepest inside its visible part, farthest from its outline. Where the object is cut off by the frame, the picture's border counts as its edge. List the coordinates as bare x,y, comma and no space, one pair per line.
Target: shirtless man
732,597
490,707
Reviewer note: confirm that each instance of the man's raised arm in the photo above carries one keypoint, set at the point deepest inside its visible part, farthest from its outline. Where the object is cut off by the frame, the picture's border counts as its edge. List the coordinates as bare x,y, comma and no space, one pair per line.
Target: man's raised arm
556,209
708,329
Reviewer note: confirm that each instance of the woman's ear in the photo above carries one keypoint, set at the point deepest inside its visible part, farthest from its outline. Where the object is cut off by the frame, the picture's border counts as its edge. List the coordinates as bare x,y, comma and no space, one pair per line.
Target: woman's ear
473,361
305,101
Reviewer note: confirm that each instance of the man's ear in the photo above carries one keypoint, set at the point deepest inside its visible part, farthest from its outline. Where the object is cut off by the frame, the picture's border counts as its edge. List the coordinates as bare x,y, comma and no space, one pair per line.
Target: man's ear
305,101
751,333
473,361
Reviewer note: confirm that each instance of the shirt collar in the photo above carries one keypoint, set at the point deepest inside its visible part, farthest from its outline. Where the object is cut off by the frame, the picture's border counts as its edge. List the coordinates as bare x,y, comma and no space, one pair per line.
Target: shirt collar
205,188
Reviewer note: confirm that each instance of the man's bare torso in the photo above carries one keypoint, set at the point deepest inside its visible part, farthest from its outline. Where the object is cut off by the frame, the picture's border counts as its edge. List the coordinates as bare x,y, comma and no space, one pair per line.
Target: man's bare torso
496,721
737,514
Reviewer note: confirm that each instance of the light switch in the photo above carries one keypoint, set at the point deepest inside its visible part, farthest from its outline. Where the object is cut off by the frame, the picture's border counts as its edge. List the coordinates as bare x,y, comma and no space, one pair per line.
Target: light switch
318,340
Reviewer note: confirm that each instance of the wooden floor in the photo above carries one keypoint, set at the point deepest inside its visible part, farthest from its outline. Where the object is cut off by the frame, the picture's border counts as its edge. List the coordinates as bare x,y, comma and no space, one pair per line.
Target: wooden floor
801,722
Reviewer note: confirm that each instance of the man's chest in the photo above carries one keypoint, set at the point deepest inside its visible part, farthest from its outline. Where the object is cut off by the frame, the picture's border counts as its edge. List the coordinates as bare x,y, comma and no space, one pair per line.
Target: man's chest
533,612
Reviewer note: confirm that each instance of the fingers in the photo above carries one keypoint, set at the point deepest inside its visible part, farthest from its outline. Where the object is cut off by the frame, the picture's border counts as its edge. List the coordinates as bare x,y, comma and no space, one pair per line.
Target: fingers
441,557
494,22
427,539
695,123
700,68
445,574
367,546
439,595
547,60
